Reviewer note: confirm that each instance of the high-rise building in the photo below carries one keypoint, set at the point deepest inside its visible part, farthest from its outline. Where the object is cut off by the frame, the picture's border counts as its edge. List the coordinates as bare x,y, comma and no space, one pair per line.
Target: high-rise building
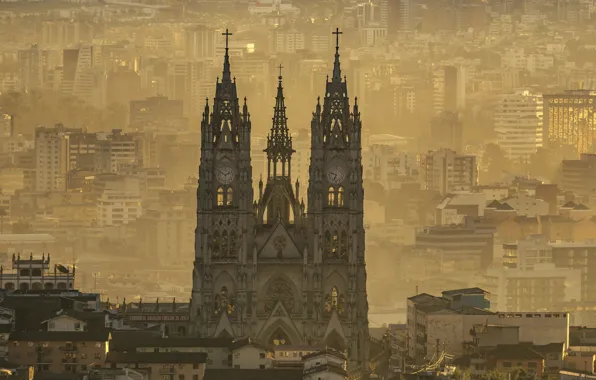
518,124
445,171
271,271
449,89
399,15
52,158
569,119
31,67
200,42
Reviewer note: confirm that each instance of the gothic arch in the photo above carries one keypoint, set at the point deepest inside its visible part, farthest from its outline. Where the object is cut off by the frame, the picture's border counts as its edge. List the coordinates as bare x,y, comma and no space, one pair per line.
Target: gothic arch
224,279
280,327
279,288
335,279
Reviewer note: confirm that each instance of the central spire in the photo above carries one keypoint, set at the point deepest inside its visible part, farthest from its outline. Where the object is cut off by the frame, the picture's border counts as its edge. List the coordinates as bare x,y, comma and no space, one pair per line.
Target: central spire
227,75
279,142
336,68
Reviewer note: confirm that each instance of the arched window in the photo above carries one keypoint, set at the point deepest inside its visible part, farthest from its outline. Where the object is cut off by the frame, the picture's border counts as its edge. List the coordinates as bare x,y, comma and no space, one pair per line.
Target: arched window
334,297
340,196
229,196
224,244
215,244
344,244
220,196
331,198
334,244
327,248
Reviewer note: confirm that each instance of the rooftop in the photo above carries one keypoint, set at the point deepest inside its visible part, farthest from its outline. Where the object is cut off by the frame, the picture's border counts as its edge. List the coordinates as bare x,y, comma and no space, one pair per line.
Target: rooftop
254,374
156,357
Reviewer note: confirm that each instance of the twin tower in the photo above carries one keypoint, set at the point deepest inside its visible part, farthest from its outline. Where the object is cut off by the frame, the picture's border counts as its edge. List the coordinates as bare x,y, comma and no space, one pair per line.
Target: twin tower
273,269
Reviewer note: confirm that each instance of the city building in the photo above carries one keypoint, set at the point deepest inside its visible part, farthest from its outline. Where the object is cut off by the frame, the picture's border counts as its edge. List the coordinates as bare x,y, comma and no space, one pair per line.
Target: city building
36,274
446,171
119,203
518,124
59,352
579,177
569,119
115,151
52,158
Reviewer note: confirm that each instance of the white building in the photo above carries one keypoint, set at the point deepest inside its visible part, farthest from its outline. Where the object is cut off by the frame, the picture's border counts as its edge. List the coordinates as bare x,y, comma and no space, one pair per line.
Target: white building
119,203
518,124
51,158
287,41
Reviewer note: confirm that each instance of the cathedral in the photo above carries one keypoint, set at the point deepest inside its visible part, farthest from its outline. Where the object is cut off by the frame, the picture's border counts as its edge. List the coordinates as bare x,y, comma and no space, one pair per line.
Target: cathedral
268,266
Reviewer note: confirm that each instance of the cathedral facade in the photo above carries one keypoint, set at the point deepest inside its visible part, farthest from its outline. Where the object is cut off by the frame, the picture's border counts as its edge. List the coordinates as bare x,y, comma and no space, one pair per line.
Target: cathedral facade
266,265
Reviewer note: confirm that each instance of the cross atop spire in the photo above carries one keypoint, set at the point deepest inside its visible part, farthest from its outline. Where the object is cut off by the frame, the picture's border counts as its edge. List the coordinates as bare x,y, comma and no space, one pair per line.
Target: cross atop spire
336,68
226,70
337,33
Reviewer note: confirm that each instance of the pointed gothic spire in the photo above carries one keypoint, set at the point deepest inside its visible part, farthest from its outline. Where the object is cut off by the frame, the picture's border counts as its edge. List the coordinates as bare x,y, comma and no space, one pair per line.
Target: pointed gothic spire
279,144
336,67
227,75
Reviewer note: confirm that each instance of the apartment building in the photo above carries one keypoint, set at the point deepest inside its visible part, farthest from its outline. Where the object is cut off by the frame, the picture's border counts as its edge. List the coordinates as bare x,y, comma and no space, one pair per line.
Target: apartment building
446,323
518,124
59,352
446,171
51,158
119,203
579,176
114,151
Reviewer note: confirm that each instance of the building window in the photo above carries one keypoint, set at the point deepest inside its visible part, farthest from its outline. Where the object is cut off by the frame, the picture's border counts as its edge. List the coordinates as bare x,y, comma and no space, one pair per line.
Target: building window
340,197
220,196
195,366
331,196
77,326
229,196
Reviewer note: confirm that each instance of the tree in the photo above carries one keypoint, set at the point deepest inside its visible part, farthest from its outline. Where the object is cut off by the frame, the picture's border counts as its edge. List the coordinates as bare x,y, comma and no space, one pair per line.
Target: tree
495,162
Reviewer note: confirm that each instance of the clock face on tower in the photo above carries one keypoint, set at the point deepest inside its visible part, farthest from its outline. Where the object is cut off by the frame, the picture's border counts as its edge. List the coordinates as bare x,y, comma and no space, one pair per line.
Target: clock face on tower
336,175
225,174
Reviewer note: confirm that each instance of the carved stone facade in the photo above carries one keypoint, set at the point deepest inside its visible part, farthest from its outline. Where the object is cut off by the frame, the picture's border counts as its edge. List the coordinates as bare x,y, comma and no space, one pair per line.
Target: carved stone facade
266,268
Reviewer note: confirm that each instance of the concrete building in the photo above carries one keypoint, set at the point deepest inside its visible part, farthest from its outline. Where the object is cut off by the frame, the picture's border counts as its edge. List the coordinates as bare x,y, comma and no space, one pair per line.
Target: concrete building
438,324
159,365
579,177
52,158
446,171
467,248
518,124
59,352
115,151
569,119
36,274
287,41
200,42
449,88
119,203
581,256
